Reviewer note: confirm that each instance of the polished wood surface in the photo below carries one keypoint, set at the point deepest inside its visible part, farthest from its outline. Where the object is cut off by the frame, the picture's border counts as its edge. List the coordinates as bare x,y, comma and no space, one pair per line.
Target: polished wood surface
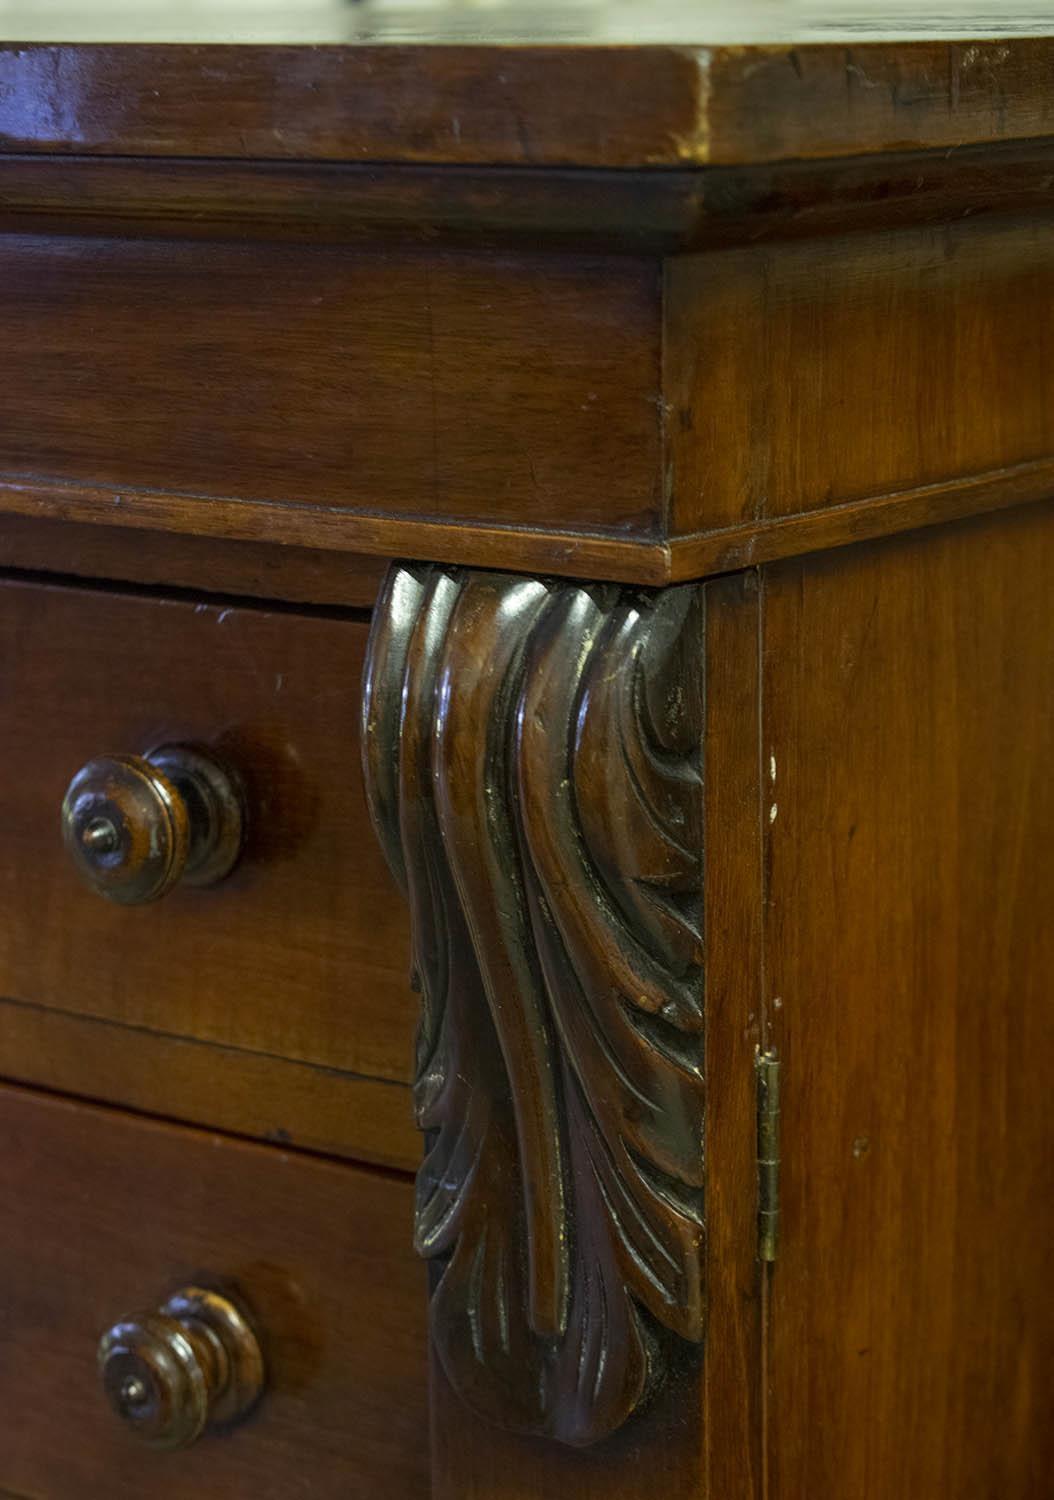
838,525
206,565
908,950
564,208
620,106
731,1399
532,760
560,553
175,1372
730,450
559,329
303,526
136,826
702,1434
105,1212
302,951
649,417
656,1453
877,828
159,1072
831,373
335,384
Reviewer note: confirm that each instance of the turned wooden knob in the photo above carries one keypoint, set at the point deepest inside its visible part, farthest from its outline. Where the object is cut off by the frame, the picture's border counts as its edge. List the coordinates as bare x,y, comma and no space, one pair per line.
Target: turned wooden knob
193,1364
136,825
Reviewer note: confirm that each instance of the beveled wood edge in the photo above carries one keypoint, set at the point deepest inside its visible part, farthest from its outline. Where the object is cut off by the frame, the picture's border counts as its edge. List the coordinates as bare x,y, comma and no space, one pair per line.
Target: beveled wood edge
520,549
583,105
729,549
568,554
597,209
280,1101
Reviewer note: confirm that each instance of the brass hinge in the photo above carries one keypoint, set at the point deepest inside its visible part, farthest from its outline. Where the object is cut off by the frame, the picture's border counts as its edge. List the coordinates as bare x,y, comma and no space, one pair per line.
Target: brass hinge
767,1065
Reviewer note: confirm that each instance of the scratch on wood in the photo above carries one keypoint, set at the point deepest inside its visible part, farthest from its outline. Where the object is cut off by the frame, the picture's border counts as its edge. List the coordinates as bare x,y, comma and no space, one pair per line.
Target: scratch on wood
693,143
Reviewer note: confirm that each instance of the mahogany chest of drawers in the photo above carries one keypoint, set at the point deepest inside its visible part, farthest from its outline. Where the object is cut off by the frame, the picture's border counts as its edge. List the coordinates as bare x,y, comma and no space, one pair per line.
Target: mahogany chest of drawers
526,662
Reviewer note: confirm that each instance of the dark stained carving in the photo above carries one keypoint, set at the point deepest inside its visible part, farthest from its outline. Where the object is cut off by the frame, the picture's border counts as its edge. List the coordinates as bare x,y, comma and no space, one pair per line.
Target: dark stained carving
532,757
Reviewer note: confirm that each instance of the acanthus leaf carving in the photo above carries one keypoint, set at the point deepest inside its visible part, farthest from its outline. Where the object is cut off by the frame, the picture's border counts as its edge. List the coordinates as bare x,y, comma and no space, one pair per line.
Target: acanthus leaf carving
532,753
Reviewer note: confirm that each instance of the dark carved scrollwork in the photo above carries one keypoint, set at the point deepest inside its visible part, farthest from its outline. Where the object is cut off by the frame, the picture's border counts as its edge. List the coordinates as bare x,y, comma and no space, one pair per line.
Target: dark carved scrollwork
532,756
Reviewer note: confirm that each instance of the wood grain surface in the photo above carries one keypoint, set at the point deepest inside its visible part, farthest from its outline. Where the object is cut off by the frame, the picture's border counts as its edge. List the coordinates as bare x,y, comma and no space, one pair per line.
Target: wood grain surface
840,525
806,395
206,565
461,387
206,1082
659,1451
838,371
558,208
303,952
624,106
731,1464
107,1215
907,738
643,314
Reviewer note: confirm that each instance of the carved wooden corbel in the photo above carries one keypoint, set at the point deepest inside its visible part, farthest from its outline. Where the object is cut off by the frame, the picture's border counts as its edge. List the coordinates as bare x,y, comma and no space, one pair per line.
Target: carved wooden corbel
532,753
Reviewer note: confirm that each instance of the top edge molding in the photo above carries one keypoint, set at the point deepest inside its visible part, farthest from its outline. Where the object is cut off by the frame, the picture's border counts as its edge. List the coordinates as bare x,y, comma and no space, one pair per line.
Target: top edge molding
647,106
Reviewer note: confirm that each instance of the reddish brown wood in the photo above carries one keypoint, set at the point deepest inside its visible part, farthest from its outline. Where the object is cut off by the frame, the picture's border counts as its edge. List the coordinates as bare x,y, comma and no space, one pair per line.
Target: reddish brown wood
532,761
188,1366
340,382
302,951
522,106
561,208
731,1395
659,1451
908,959
294,308
859,520
702,1437
136,826
106,1214
304,525
865,334
775,102
156,1072
540,105
213,565
830,372
209,558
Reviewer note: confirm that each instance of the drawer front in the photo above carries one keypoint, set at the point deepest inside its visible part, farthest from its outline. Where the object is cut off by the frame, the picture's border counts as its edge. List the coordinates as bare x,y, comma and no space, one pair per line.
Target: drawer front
301,953
106,1215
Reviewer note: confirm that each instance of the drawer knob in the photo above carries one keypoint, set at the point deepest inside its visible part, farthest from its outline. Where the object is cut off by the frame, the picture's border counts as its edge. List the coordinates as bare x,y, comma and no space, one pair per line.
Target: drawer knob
193,1364
136,825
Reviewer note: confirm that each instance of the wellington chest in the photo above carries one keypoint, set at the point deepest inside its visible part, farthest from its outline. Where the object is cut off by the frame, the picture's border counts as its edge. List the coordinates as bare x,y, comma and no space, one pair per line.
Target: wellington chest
526,665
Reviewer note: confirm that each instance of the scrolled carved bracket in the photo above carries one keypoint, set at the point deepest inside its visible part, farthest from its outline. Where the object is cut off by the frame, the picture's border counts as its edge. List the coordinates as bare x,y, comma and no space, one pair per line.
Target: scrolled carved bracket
532,760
